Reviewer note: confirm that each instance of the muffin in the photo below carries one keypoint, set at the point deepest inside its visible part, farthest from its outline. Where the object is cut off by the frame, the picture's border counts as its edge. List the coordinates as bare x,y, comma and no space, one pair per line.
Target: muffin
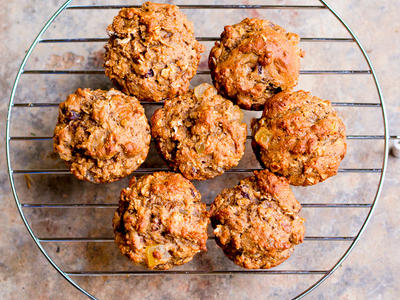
254,60
161,222
200,134
300,137
101,135
256,223
152,52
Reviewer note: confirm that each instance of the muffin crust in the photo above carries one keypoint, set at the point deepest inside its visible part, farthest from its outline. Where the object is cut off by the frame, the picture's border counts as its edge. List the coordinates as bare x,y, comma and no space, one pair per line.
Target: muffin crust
301,137
254,60
200,134
256,223
152,52
161,222
102,136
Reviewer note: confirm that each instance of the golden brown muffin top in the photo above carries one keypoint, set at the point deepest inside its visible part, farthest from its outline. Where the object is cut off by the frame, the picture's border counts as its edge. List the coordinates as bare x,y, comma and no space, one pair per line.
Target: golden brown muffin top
102,135
161,221
152,52
301,137
256,222
200,134
254,60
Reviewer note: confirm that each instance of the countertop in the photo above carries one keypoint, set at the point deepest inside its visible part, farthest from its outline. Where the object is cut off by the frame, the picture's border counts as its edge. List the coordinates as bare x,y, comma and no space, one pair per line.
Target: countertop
372,270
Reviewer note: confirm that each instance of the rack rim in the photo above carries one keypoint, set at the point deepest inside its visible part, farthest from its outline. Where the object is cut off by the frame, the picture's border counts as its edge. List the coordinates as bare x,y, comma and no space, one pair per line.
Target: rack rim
325,273
384,163
10,171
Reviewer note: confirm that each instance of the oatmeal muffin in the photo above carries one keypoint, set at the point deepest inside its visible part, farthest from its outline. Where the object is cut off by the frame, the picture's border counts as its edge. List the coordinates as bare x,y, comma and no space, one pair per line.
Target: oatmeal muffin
256,223
254,60
102,135
301,137
152,52
161,222
200,134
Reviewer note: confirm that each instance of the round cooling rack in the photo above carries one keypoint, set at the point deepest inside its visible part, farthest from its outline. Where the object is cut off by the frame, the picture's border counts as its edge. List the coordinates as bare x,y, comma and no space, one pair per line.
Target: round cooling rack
70,221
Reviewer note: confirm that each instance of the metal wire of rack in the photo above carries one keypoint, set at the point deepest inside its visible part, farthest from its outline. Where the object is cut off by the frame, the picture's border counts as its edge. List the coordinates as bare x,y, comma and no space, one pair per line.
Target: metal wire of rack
69,275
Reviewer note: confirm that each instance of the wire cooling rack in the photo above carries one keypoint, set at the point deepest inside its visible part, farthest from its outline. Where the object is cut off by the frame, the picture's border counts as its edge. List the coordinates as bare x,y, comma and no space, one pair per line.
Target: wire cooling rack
53,205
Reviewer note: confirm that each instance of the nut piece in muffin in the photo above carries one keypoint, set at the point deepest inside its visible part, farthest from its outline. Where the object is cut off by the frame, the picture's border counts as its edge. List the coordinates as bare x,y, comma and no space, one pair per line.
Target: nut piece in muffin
256,223
152,52
200,134
301,137
103,136
161,222
254,60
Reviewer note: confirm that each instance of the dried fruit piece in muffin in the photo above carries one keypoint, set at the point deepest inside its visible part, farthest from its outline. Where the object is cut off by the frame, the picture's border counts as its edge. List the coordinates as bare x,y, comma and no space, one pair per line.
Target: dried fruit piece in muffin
256,222
102,135
254,60
152,52
200,134
301,137
161,222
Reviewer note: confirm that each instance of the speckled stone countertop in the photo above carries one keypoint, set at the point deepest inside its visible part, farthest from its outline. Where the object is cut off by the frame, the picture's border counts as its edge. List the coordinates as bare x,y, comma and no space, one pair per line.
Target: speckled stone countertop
372,270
